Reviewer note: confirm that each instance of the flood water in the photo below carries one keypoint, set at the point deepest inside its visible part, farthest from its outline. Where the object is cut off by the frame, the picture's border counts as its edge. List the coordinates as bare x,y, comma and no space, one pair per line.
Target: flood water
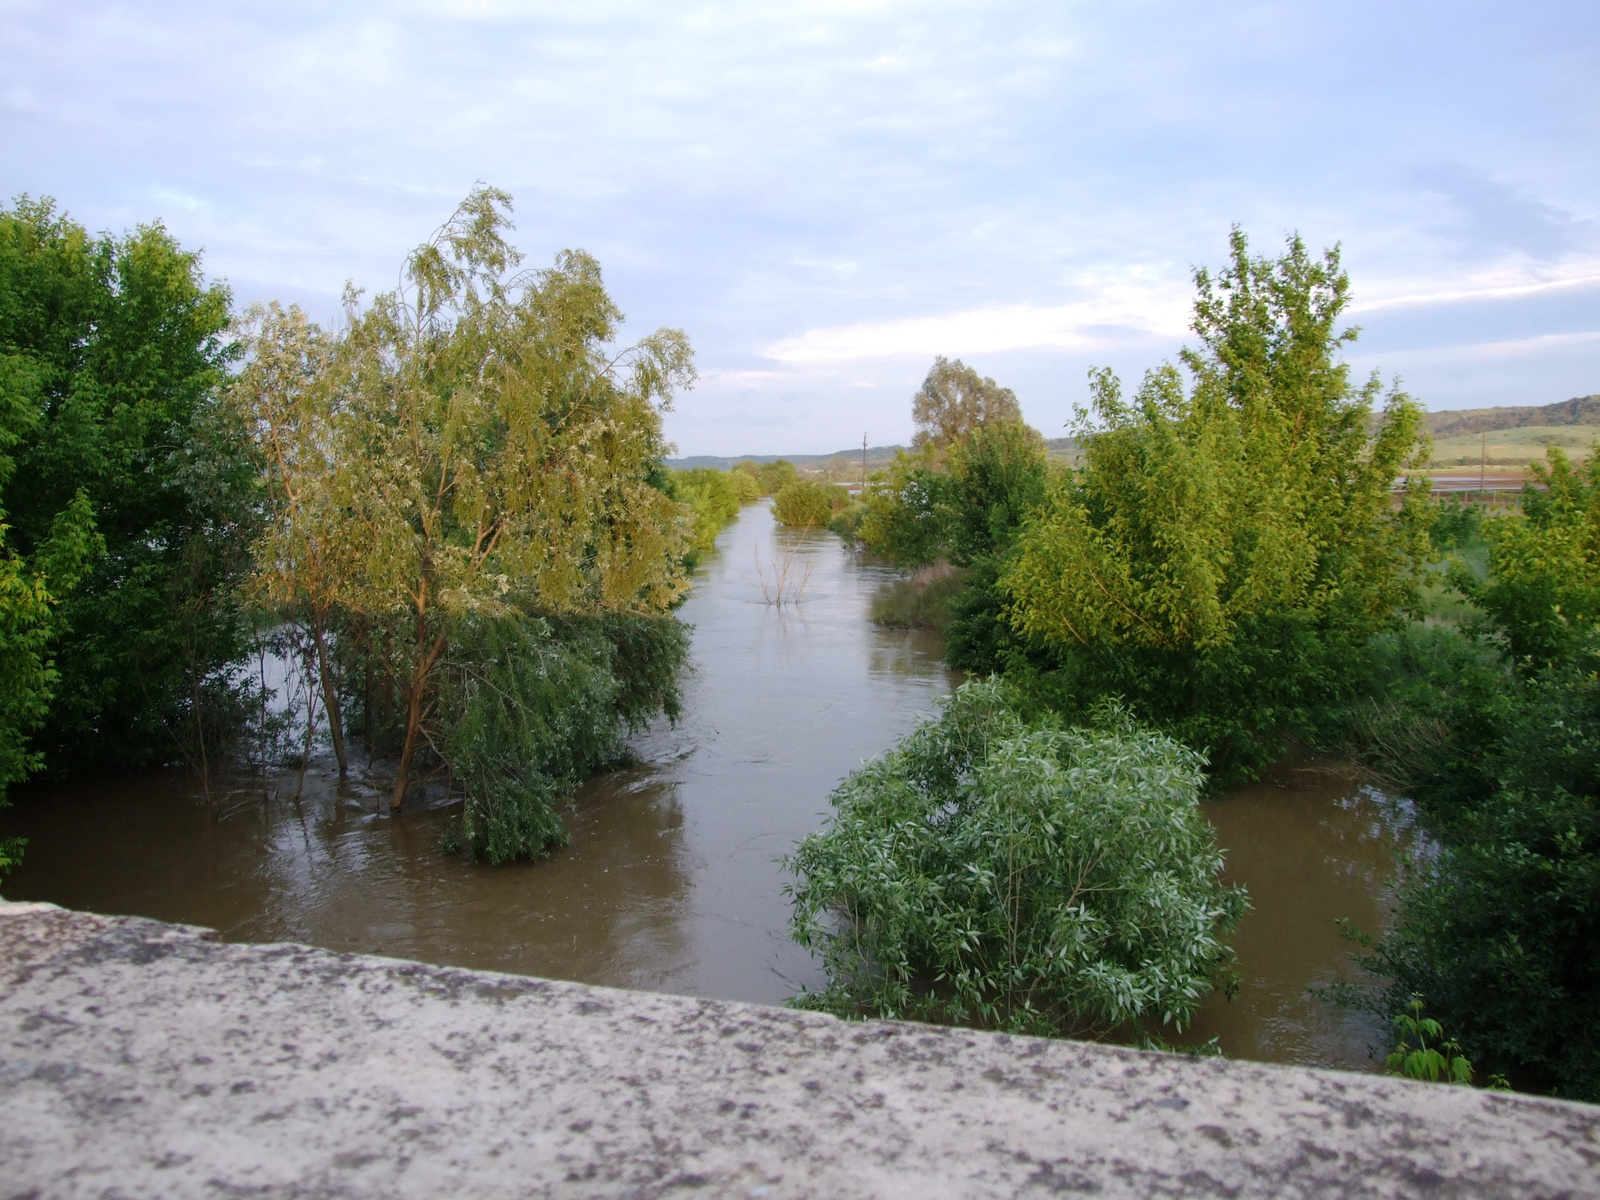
671,881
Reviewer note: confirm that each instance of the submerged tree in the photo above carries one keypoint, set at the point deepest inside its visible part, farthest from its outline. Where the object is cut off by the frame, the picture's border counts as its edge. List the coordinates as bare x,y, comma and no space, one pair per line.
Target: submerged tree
288,394
478,454
114,350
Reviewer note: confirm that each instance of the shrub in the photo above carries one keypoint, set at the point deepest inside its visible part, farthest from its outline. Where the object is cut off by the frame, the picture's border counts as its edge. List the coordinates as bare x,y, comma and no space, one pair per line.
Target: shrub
922,601
1543,588
907,511
770,477
807,504
1228,547
846,522
1030,877
533,706
745,487
713,498
1499,931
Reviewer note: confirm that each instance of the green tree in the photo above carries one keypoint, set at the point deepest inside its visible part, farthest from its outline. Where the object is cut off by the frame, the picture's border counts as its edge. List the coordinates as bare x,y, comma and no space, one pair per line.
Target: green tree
287,395
954,401
1543,589
490,459
1228,547
1025,876
117,347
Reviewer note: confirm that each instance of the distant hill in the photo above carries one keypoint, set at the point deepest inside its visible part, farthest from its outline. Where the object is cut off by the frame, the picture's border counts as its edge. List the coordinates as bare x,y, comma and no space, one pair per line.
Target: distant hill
1581,410
877,456
841,462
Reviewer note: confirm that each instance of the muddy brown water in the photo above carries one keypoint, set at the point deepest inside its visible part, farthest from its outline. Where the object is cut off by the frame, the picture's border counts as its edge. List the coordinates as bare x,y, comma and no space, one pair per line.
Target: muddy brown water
671,881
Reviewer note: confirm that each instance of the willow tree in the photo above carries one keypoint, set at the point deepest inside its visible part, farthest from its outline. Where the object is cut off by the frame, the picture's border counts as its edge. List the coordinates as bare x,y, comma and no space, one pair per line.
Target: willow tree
1232,538
954,401
469,447
492,455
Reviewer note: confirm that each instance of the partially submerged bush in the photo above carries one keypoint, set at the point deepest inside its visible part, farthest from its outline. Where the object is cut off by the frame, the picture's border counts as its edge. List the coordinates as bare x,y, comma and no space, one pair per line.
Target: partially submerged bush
808,504
1034,878
535,706
1497,932
714,498
923,600
745,486
771,478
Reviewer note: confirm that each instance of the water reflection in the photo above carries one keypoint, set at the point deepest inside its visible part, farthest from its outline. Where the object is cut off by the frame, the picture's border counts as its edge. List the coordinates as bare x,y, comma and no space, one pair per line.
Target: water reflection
671,881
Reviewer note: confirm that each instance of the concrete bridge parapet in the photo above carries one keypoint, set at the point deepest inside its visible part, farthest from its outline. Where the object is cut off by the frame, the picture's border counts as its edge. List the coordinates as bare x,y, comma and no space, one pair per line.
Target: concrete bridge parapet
146,1060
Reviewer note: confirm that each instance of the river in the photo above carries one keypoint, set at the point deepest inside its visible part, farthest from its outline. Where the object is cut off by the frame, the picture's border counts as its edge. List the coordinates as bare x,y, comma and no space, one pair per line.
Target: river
671,881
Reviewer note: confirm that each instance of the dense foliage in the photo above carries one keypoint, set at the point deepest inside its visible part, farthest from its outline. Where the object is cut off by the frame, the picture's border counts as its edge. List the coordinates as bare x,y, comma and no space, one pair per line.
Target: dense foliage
467,469
714,497
533,706
1026,876
808,503
1543,588
771,478
1493,728
1229,546
470,452
112,351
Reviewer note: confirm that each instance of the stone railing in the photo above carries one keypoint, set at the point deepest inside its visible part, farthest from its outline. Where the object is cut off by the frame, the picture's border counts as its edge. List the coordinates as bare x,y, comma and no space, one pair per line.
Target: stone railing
140,1059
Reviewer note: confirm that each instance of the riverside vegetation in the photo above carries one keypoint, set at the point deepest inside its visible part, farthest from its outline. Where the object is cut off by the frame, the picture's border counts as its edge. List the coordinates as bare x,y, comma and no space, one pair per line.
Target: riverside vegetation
453,514
1232,564
452,511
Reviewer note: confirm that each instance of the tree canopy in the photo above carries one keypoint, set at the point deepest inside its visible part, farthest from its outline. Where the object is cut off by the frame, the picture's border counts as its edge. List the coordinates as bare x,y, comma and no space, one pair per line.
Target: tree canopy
111,353
1230,531
468,447
955,400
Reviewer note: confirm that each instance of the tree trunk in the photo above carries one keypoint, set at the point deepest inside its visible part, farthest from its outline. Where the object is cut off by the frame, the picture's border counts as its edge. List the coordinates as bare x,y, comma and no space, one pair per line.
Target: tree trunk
330,699
413,724
419,691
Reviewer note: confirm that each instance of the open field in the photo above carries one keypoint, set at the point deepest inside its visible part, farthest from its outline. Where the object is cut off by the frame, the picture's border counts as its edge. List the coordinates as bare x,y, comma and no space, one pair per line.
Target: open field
1513,447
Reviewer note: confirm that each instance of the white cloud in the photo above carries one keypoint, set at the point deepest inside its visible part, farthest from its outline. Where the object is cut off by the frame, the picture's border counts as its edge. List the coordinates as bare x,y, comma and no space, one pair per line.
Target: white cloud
1504,284
1114,316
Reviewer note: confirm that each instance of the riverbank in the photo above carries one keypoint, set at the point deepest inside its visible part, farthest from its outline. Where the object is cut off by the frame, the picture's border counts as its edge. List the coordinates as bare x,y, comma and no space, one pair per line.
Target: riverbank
672,882
143,1059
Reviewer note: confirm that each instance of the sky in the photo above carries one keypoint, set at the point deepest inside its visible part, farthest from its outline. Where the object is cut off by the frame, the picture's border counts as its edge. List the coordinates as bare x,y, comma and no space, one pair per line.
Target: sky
825,195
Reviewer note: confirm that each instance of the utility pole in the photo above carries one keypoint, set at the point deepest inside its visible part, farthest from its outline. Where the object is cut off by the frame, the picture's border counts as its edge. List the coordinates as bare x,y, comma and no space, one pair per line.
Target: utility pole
1483,461
863,466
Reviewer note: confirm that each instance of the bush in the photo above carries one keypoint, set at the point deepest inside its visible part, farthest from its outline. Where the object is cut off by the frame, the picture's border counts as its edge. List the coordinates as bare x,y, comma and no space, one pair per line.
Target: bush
1499,932
1457,523
1543,588
534,706
1029,877
770,477
744,486
922,601
846,522
714,499
907,517
807,504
